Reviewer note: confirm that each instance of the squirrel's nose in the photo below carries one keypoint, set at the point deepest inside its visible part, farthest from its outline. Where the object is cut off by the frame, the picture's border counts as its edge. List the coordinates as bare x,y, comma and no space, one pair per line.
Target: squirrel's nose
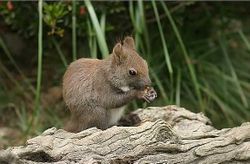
143,83
147,82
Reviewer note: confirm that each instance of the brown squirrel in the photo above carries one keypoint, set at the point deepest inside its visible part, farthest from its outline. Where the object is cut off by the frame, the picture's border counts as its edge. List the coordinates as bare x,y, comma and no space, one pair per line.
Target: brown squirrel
95,91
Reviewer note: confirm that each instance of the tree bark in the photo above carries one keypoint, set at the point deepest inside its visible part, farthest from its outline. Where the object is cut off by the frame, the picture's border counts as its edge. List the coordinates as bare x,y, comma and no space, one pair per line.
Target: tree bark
156,135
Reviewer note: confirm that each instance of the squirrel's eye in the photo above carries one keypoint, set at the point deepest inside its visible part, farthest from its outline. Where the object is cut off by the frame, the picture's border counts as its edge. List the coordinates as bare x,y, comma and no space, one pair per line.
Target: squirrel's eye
132,71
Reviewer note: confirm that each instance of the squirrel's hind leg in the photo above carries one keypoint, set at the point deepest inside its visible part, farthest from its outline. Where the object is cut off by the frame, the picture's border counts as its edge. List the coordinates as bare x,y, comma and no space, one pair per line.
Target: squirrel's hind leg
97,117
76,123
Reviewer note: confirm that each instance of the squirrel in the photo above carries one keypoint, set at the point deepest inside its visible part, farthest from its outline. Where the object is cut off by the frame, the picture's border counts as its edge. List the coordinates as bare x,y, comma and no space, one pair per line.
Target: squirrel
96,91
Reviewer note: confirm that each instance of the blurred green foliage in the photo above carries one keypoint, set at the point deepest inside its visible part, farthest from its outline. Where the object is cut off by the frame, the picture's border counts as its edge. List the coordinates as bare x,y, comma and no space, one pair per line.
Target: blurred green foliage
53,15
198,53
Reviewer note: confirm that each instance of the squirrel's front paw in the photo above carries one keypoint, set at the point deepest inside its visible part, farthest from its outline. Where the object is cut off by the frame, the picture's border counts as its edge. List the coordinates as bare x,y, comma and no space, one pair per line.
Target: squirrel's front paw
148,94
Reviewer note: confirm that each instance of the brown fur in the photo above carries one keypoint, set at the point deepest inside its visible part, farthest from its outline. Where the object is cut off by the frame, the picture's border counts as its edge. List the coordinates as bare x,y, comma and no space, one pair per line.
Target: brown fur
92,87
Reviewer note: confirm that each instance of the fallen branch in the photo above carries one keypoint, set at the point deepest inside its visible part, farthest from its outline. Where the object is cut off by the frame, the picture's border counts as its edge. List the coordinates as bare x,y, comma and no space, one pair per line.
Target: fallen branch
159,135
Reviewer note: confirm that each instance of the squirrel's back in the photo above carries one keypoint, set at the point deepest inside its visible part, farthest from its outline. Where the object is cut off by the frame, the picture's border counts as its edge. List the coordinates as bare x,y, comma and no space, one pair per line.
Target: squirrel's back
78,79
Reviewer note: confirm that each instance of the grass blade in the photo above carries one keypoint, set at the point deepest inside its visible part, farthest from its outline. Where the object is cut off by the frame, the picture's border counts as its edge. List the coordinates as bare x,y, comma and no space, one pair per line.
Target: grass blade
11,77
39,69
167,58
103,23
100,35
7,52
59,51
135,19
74,48
178,89
91,40
228,112
186,56
145,29
233,73
244,38
159,85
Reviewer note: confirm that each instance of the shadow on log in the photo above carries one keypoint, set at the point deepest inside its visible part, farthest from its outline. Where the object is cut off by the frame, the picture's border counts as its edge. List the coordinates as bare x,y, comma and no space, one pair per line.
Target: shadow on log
159,135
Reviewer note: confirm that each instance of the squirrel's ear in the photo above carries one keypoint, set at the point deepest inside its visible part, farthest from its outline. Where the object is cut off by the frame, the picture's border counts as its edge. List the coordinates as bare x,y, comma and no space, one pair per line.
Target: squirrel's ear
129,42
118,53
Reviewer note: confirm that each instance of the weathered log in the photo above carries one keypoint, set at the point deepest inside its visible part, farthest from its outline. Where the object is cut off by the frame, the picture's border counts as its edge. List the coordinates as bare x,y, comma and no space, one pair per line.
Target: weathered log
159,135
